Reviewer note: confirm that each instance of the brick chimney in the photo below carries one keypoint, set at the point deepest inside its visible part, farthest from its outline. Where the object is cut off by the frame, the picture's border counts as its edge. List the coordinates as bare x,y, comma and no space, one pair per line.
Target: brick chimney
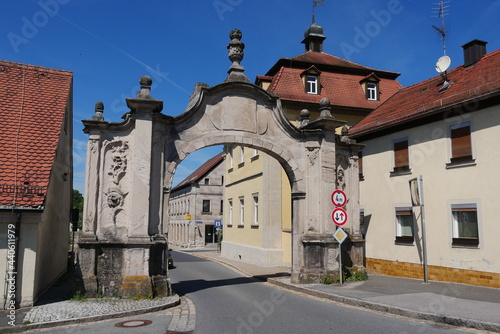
473,51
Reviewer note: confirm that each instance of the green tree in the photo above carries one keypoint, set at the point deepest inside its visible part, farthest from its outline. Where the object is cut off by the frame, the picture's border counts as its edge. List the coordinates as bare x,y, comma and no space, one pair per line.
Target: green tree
78,204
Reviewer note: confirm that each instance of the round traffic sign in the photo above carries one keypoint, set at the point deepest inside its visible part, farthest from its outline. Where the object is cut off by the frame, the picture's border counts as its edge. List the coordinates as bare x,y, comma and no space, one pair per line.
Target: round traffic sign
339,198
339,216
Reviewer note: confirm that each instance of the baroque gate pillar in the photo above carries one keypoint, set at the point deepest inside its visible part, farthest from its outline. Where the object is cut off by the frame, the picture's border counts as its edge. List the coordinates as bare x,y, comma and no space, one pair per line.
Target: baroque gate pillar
122,249
329,158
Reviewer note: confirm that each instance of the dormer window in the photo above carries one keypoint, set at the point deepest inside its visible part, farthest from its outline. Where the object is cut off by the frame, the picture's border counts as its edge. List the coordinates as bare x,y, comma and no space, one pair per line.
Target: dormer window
312,84
310,78
370,86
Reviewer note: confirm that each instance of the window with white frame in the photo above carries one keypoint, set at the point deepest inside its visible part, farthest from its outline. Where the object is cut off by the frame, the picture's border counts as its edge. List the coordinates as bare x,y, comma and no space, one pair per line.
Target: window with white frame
230,157
255,209
312,84
465,225
230,202
242,211
242,154
371,91
404,225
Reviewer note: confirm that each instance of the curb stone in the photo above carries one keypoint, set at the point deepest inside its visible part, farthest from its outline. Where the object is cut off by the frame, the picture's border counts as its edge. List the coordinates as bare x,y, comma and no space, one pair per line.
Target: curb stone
437,318
48,324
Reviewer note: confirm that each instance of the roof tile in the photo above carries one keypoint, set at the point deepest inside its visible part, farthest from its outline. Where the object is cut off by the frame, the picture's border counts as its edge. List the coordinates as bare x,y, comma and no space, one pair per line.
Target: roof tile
33,104
427,97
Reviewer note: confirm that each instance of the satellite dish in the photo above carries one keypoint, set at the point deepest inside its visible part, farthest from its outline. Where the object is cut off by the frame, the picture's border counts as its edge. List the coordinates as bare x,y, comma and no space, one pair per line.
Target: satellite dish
443,64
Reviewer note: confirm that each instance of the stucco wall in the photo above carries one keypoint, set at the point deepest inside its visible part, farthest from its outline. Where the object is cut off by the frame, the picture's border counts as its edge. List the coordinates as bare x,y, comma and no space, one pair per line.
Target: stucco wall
429,152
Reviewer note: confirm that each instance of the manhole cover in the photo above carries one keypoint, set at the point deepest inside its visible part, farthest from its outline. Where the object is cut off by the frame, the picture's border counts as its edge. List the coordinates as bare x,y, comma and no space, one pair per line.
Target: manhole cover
133,323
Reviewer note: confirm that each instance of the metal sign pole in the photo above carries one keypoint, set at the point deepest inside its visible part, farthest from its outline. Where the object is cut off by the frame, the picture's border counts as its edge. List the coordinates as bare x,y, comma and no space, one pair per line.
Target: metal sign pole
340,263
424,237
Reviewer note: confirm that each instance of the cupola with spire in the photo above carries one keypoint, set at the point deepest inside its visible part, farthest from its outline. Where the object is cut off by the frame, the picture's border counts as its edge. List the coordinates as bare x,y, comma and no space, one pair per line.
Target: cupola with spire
313,37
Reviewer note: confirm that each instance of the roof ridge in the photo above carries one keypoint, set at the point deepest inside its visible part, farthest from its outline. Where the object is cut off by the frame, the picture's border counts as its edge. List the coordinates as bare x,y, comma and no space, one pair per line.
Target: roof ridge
34,67
206,166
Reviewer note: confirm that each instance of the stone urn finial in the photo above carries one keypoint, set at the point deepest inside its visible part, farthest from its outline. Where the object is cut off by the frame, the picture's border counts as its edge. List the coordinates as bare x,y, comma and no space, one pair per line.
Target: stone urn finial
235,54
99,109
145,93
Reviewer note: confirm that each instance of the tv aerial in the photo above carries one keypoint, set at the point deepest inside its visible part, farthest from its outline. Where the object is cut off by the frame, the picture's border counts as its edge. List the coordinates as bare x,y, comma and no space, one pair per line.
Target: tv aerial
443,62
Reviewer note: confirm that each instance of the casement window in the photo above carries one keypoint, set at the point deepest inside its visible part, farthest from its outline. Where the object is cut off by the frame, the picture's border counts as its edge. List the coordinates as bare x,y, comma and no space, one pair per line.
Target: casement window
312,84
206,206
207,182
465,225
404,226
255,209
401,156
242,155
230,202
372,91
461,144
230,157
255,154
360,165
242,212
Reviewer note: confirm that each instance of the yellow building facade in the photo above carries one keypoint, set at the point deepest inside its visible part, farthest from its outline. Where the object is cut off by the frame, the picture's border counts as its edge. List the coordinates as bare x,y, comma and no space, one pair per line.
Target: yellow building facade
257,195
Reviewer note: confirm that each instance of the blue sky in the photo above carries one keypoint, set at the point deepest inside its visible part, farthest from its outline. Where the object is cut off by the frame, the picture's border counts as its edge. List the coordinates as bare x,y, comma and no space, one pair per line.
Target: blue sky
110,44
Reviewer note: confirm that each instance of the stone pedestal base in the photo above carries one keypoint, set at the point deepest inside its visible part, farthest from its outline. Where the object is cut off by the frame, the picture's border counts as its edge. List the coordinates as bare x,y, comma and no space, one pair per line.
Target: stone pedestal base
321,259
137,269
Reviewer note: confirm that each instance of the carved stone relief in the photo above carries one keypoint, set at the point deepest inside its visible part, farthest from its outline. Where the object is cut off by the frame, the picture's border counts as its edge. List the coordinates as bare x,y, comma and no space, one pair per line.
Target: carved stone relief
342,165
119,159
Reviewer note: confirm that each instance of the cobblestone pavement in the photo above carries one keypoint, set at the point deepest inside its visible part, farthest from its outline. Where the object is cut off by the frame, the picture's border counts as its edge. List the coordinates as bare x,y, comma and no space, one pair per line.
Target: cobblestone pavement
184,318
71,309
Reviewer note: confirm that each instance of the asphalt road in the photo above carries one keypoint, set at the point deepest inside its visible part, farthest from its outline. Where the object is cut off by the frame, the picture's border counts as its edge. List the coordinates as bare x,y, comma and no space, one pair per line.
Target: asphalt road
227,302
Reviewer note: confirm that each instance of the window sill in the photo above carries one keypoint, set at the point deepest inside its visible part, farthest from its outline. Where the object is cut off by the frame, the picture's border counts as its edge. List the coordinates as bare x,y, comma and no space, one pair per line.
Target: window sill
241,164
241,226
400,171
229,225
461,162
230,170
255,157
465,243
404,241
254,227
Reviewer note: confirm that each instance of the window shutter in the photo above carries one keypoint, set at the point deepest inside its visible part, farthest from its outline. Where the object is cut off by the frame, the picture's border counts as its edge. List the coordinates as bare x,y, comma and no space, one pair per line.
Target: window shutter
461,143
401,154
360,162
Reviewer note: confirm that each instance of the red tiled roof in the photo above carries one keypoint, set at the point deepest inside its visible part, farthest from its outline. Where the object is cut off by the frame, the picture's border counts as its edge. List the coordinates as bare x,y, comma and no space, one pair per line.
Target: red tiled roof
425,98
33,101
340,81
201,171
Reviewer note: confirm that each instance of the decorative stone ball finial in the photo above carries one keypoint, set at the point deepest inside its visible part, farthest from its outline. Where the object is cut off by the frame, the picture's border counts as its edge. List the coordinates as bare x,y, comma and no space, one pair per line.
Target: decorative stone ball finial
324,108
145,93
304,117
99,109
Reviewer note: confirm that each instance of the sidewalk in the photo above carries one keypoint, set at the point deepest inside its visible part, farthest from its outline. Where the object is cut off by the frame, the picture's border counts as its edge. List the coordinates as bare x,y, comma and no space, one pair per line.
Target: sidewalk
448,303
55,308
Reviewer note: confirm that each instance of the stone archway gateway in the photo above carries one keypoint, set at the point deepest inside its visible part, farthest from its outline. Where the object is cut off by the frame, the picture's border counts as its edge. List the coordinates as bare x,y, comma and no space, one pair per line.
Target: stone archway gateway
130,166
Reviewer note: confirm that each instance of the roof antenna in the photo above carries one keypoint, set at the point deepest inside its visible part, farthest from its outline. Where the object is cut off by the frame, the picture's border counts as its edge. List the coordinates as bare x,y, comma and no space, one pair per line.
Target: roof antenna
316,3
444,62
